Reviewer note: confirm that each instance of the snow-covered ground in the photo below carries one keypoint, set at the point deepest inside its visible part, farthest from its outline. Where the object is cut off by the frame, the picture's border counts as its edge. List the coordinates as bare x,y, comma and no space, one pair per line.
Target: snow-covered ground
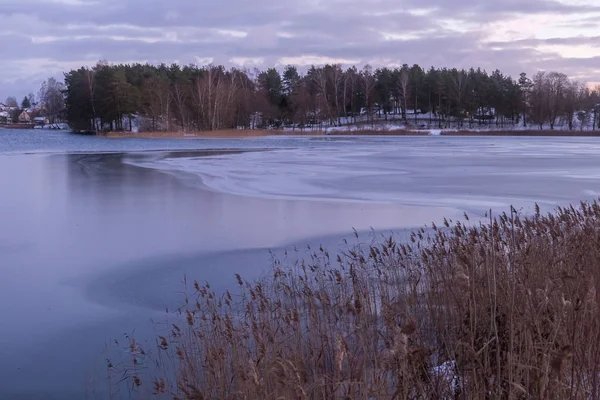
56,126
428,122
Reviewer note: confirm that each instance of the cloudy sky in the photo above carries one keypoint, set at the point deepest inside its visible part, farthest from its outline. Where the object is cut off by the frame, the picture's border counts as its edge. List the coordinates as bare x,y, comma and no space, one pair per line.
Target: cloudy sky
41,38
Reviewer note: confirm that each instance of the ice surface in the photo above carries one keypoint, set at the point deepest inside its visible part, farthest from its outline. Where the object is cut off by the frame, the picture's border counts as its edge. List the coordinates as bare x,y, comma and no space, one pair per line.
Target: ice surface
469,174
93,246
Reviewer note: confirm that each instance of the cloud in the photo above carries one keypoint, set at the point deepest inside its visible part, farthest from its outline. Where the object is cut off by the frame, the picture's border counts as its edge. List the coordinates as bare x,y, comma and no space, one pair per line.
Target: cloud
45,37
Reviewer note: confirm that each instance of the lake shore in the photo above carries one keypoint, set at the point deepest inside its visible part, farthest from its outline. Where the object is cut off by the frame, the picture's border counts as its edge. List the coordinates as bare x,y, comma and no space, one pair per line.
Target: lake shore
251,133
534,133
248,133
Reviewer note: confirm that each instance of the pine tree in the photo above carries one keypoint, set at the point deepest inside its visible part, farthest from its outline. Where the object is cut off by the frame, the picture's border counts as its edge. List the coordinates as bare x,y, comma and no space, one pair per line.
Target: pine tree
25,104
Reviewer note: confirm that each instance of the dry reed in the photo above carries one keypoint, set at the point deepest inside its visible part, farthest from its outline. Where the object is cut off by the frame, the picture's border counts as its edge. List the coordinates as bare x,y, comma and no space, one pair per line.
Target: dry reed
507,308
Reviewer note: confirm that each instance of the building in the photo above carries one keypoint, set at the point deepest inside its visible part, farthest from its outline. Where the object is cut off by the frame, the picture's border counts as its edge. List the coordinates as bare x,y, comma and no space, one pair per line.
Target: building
5,117
24,117
4,107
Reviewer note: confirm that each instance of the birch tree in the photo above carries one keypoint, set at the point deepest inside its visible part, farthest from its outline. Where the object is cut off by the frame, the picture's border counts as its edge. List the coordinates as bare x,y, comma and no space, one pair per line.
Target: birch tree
403,89
368,84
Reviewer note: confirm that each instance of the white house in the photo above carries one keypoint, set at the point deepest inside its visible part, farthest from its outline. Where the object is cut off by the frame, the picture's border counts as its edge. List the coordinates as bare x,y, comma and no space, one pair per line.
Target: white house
5,117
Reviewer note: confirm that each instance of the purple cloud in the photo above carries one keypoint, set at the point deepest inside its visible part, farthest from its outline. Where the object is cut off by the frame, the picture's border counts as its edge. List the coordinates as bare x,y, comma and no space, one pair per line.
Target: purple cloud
45,37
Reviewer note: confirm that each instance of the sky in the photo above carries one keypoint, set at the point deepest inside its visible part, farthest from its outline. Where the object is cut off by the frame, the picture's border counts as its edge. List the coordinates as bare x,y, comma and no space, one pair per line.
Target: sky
43,38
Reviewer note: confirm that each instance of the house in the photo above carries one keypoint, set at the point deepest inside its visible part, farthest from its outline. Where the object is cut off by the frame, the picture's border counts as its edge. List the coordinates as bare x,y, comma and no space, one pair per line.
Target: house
24,117
41,121
5,117
4,107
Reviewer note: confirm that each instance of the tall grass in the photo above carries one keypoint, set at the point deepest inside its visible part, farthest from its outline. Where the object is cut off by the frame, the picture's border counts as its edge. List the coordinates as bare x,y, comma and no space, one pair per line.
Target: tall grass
502,309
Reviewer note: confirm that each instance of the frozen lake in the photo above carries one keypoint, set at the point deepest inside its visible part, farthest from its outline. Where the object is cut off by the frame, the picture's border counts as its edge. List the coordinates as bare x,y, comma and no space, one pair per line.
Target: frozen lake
96,234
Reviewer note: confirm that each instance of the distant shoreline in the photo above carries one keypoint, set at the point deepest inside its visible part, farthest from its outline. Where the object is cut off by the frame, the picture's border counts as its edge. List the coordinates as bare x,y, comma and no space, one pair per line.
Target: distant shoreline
528,133
230,133
250,133
18,126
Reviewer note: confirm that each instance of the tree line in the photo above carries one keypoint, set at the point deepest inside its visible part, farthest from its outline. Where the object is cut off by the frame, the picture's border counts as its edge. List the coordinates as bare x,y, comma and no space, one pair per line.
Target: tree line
194,98
49,102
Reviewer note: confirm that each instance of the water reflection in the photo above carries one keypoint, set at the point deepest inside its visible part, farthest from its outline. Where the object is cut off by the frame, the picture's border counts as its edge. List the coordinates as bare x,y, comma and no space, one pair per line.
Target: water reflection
93,248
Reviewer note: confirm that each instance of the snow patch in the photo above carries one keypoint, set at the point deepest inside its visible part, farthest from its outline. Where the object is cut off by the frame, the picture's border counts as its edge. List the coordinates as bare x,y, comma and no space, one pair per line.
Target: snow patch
447,373
56,126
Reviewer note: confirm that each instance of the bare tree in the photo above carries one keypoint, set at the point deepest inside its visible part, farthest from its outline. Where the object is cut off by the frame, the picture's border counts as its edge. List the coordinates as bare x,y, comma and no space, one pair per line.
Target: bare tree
337,77
556,84
32,100
180,94
403,89
320,79
570,103
596,106
223,88
157,94
301,98
352,79
245,106
368,83
214,76
199,93
12,101
459,86
51,96
231,93
539,98
209,97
